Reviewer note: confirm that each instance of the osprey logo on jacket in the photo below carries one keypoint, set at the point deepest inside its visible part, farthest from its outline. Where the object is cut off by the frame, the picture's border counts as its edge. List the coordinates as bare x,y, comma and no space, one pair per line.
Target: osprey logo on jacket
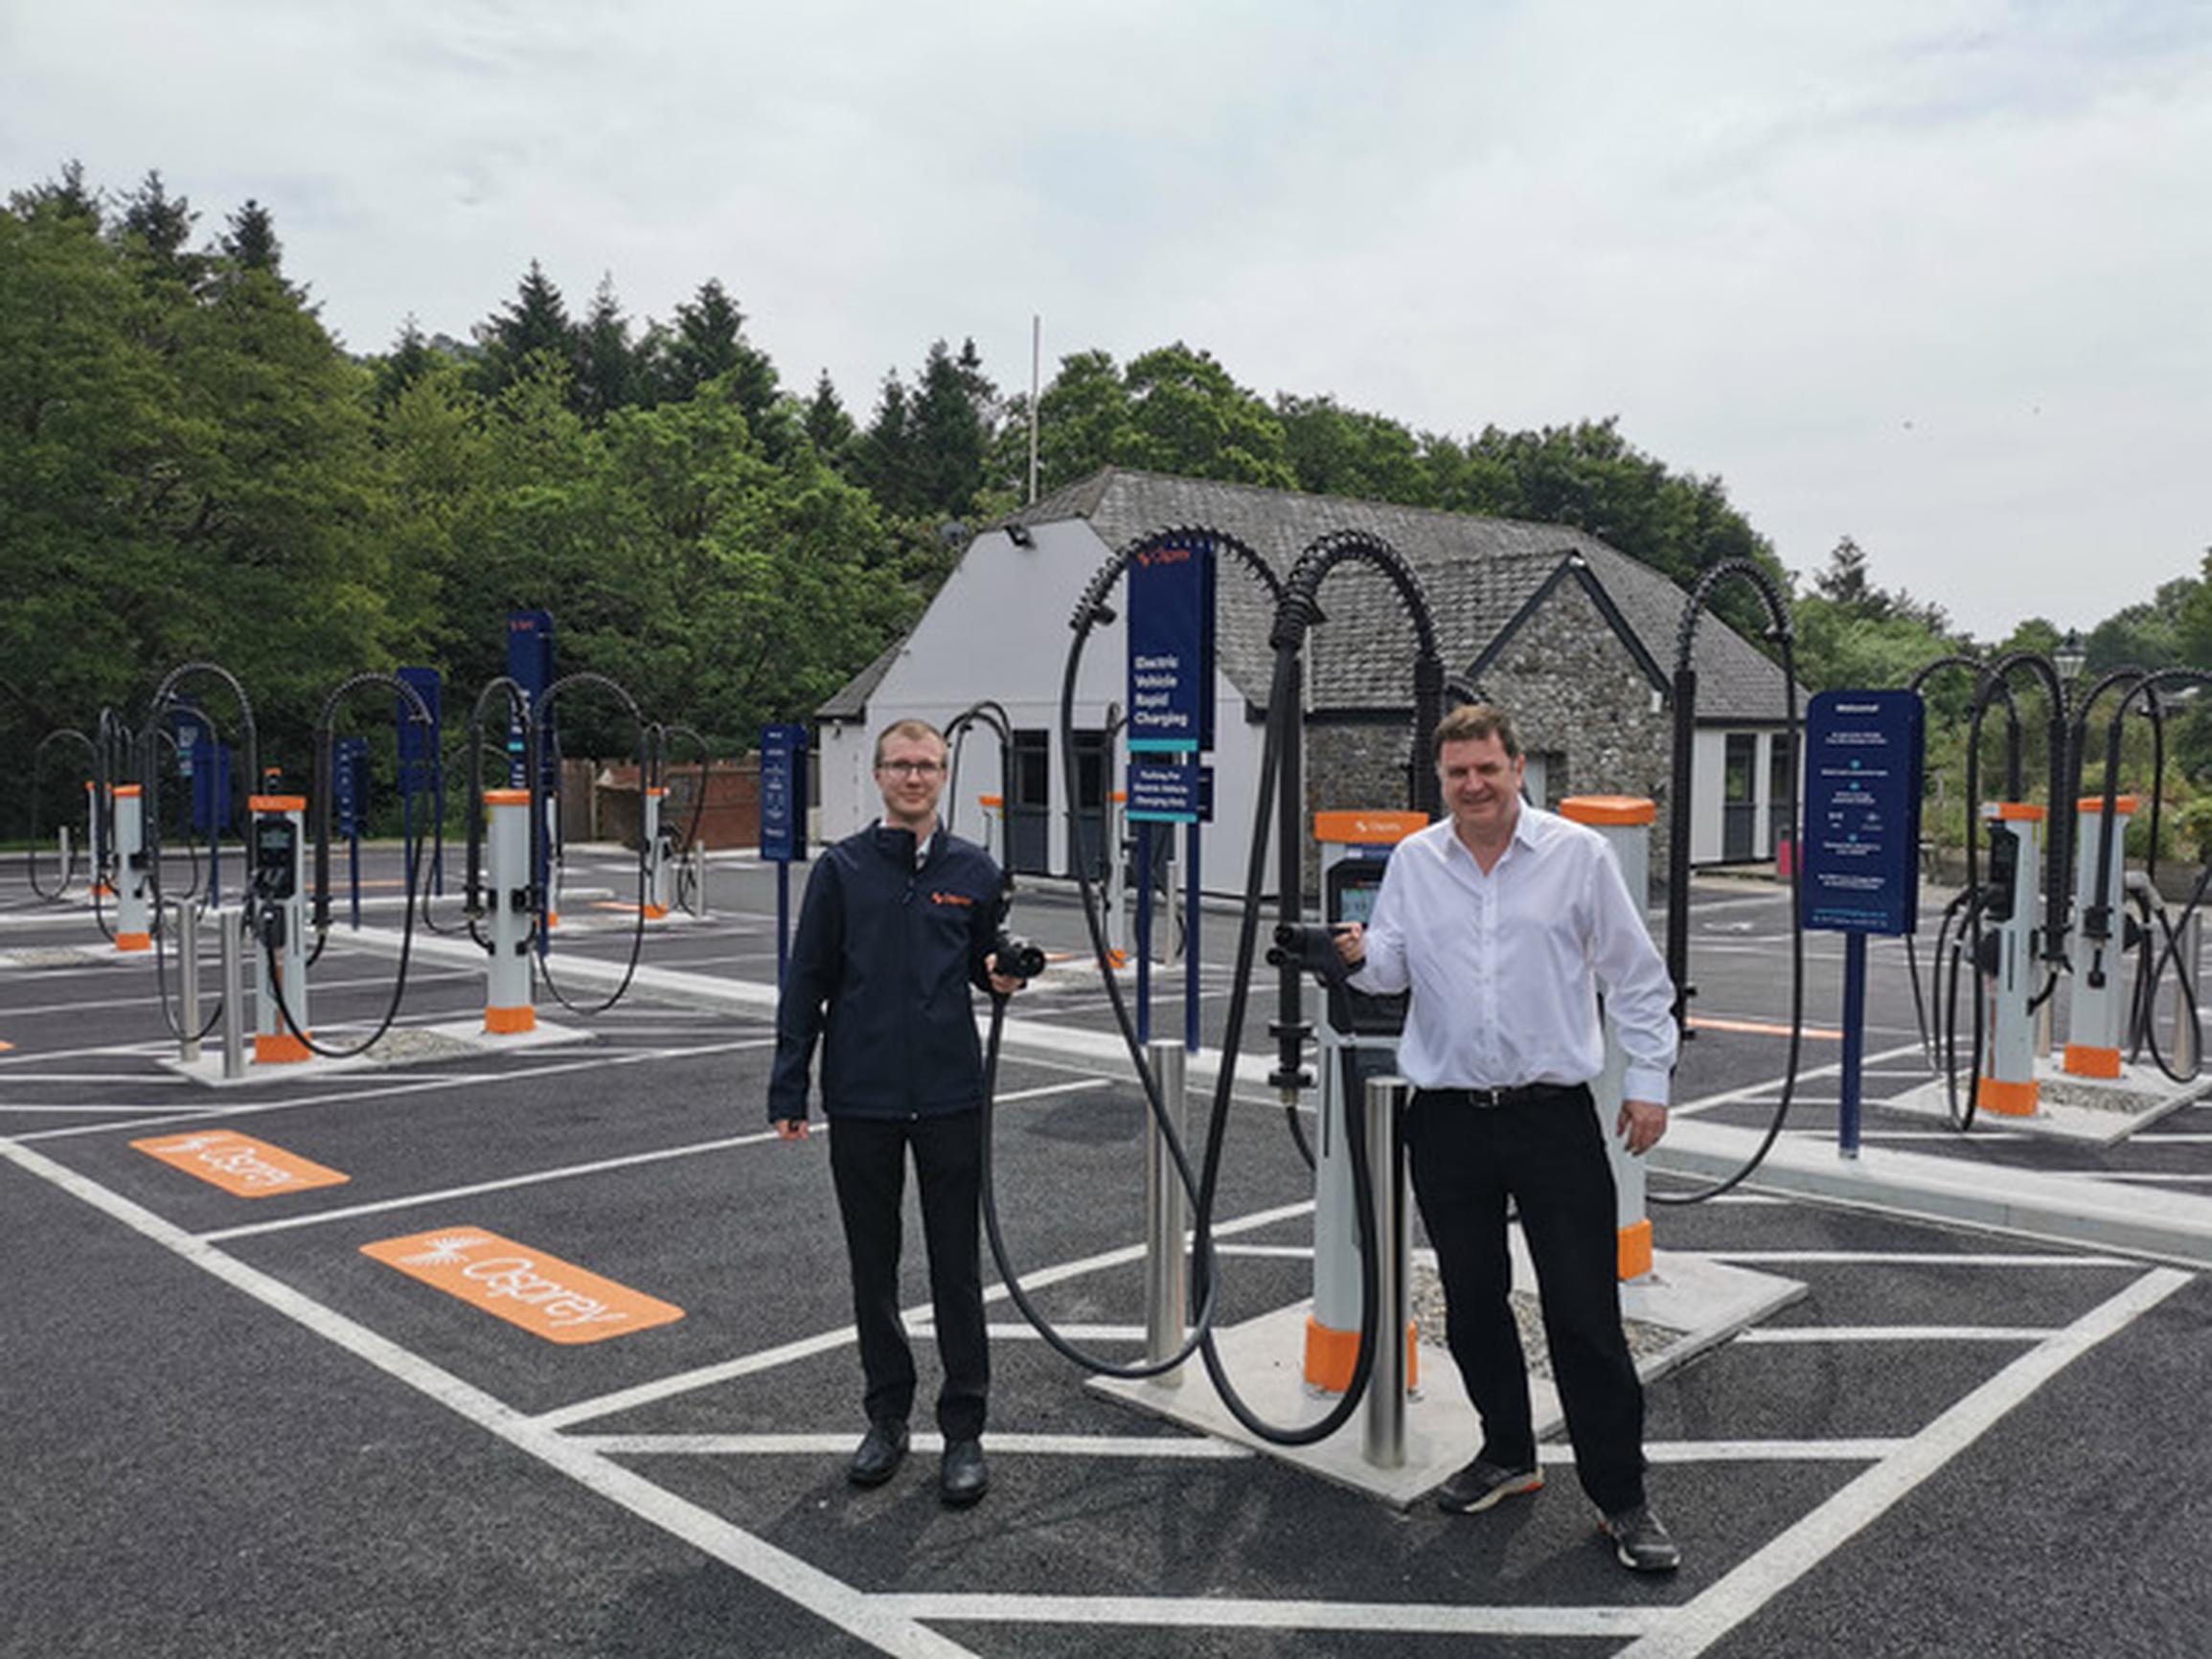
888,952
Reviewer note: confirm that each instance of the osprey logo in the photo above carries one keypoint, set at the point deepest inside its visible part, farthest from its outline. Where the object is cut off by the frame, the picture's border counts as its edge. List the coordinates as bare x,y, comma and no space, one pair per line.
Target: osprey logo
239,1164
549,1297
1152,556
940,896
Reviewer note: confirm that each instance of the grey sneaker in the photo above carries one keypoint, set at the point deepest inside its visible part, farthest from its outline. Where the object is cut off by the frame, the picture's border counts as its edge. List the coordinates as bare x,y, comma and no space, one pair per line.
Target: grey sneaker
1481,1484
1641,1540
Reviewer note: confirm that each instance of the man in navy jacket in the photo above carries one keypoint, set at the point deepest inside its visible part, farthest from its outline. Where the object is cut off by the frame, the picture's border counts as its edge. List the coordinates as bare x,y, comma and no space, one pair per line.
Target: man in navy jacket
898,925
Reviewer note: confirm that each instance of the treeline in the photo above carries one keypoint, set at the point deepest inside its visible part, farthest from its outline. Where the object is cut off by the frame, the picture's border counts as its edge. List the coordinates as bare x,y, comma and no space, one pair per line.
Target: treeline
192,467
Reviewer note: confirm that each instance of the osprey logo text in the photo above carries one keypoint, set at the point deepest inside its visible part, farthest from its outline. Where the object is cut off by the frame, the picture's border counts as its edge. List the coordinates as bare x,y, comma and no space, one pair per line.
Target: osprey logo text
942,897
239,1164
551,1298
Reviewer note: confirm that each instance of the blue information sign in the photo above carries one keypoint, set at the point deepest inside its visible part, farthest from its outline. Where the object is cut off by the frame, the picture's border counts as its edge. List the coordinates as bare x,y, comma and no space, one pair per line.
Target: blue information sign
530,665
1169,794
1863,764
1170,690
349,783
783,794
211,783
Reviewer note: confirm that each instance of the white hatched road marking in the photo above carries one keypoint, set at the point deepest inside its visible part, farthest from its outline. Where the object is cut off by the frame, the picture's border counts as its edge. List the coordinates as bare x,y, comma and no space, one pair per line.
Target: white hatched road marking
747,1365
828,1598
1733,1598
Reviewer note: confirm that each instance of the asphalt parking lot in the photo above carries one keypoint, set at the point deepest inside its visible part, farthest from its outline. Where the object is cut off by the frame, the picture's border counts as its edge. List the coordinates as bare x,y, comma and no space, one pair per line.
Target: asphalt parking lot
228,1427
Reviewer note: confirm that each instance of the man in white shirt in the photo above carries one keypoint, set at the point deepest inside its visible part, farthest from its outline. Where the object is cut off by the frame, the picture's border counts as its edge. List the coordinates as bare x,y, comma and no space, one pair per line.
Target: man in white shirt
1504,922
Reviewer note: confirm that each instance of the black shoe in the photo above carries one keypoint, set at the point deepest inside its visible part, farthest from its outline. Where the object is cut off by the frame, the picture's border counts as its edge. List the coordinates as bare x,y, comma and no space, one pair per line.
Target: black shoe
880,1453
1482,1484
963,1479
1641,1541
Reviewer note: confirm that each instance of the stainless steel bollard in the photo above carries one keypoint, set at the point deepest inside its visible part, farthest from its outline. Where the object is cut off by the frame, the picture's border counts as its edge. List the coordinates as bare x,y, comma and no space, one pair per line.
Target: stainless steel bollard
1384,1444
188,980
699,879
2188,950
230,928
1166,1287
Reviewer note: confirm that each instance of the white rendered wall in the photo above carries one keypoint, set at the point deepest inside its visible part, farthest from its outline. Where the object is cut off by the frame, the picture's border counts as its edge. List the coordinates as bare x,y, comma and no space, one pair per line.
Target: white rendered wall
998,629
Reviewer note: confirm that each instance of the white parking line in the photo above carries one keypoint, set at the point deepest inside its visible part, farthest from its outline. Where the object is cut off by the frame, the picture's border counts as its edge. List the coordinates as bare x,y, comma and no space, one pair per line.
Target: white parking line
1248,1613
867,1616
1766,1092
1730,1451
747,1365
389,1085
1200,1448
1807,1334
1813,1541
1919,1258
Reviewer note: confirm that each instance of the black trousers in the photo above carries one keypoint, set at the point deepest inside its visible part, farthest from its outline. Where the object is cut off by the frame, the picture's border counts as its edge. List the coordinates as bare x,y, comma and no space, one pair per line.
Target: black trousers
868,1167
1548,1156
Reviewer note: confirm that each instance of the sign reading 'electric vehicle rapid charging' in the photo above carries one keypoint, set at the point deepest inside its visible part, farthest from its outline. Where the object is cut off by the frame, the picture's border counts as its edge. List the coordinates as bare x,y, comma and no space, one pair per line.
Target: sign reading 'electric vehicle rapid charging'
1863,764
1171,650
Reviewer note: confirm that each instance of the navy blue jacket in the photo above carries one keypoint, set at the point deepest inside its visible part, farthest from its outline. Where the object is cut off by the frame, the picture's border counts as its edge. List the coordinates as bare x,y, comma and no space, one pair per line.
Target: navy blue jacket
880,969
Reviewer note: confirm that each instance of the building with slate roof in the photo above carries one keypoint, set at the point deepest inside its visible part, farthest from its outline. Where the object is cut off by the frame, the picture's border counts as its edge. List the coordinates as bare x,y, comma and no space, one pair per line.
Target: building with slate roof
1573,636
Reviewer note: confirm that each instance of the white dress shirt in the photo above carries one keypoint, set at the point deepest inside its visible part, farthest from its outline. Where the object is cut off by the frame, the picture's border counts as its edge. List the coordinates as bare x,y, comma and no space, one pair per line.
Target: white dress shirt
1505,968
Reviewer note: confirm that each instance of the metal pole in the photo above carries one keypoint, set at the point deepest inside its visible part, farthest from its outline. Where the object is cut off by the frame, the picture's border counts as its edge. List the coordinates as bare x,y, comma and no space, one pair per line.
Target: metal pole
229,928
188,972
1165,1290
1384,1444
699,879
2187,952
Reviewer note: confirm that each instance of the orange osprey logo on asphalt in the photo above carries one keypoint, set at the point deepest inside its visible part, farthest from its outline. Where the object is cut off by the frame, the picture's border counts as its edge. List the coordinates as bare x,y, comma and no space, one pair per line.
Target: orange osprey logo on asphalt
942,897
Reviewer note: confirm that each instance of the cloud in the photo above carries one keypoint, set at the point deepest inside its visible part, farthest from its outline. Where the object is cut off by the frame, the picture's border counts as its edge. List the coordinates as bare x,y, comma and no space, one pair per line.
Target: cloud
1927,274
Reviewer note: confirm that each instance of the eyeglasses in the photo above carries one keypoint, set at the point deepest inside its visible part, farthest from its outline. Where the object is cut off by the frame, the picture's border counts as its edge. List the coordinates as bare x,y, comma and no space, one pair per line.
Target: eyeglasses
910,768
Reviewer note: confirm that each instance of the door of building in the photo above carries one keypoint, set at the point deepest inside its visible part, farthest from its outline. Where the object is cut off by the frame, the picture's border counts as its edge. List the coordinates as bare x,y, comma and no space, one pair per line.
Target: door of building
1029,804
1739,799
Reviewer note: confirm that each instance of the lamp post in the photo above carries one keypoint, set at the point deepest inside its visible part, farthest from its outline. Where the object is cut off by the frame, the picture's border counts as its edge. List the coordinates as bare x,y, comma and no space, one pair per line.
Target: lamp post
2069,657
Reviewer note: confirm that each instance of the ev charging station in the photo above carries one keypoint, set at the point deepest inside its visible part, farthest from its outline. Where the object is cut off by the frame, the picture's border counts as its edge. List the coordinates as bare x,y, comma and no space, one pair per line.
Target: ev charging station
1359,1040
276,919
2095,953
2013,903
133,927
508,1008
1625,822
653,798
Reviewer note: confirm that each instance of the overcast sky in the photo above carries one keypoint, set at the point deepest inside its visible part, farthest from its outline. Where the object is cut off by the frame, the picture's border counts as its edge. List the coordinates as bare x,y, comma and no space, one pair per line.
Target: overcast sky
1933,274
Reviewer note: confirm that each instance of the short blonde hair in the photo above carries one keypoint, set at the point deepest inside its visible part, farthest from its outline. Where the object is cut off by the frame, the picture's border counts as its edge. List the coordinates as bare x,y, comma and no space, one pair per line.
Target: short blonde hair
910,729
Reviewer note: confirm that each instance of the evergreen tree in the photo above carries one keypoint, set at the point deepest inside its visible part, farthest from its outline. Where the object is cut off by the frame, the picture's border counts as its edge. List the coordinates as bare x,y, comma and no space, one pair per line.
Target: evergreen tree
948,432
63,196
607,369
883,458
708,343
154,229
251,241
534,326
410,358
827,425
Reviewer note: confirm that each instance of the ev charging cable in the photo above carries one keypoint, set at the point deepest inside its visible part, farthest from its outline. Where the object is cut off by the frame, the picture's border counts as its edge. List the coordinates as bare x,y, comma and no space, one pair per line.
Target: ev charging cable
1781,630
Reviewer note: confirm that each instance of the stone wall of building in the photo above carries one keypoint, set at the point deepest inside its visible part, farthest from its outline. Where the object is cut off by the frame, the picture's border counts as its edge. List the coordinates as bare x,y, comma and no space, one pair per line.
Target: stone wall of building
1578,696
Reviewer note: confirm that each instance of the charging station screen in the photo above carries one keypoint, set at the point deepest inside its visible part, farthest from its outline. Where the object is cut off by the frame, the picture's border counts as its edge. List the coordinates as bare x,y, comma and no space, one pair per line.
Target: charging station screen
1356,903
